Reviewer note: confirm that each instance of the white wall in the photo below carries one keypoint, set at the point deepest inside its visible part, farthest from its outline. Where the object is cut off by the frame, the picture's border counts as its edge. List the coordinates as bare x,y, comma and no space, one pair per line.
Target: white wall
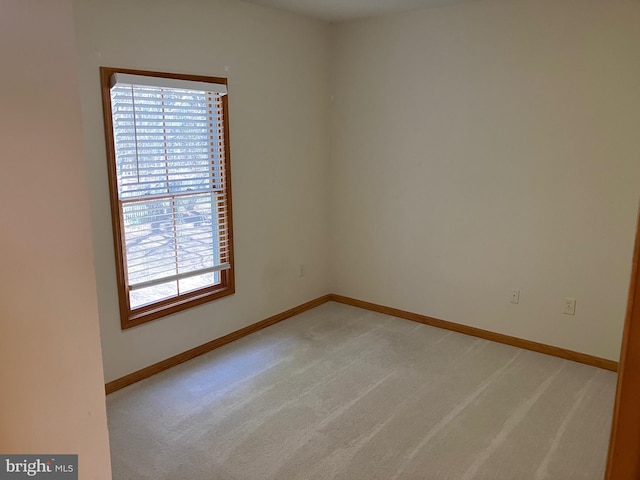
489,146
277,66
52,398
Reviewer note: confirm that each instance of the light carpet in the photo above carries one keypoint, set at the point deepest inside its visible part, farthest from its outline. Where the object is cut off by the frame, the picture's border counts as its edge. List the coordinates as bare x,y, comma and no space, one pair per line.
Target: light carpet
343,393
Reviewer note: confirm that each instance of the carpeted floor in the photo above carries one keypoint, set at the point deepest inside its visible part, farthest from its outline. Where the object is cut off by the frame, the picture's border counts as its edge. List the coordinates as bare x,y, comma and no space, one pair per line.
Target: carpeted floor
343,393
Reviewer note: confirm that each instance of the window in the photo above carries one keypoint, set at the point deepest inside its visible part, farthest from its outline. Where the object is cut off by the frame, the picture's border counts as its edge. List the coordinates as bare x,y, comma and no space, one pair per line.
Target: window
168,157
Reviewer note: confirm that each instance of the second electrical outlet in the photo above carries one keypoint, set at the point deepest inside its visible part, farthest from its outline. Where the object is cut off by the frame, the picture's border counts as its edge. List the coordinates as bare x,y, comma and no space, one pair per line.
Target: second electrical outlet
569,306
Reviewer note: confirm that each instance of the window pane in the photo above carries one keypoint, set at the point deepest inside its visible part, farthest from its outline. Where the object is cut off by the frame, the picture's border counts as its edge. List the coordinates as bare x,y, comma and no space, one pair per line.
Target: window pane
150,240
199,281
163,140
195,234
146,296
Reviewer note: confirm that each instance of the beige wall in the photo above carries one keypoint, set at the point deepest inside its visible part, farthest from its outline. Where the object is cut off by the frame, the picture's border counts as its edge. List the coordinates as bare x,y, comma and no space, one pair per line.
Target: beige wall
277,66
474,149
477,148
52,398
489,146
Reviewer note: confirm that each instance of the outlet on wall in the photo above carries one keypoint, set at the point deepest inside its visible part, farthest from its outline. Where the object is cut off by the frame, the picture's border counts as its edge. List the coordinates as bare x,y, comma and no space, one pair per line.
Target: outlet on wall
515,296
569,306
301,270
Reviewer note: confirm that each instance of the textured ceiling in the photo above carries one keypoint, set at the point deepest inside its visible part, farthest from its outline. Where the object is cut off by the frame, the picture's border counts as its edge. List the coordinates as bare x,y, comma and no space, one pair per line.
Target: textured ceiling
340,10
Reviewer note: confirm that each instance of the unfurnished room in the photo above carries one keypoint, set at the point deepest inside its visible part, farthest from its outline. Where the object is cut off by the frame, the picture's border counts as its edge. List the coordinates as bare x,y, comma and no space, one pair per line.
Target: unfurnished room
298,239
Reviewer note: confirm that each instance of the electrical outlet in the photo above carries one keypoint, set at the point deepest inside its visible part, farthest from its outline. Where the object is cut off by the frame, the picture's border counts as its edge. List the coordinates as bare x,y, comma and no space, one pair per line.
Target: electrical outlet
569,306
515,296
301,270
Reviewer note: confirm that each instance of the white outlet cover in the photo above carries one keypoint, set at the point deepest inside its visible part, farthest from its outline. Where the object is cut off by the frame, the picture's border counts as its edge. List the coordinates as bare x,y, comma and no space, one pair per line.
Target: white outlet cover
515,296
569,306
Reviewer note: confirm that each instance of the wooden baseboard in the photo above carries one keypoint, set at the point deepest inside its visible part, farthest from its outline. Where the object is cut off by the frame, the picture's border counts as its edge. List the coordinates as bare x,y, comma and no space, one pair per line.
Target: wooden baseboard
416,317
146,372
477,332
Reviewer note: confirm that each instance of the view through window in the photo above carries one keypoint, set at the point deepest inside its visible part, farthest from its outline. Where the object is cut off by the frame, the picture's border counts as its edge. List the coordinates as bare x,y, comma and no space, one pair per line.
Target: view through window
168,159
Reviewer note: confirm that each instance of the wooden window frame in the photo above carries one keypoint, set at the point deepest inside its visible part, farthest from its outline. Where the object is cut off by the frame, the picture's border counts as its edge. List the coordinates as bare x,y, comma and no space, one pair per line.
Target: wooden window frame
133,317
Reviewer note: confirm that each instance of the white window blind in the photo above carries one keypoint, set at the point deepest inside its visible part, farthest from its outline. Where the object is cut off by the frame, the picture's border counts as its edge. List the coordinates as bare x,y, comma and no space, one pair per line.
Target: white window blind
170,167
